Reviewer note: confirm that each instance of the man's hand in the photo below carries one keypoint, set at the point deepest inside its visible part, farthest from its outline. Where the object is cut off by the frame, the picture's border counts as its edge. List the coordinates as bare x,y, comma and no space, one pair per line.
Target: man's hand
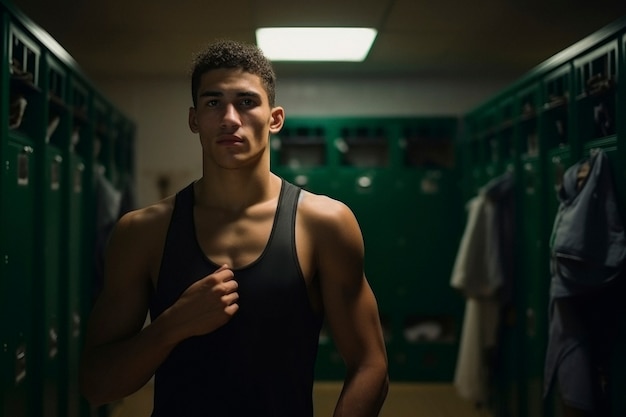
207,304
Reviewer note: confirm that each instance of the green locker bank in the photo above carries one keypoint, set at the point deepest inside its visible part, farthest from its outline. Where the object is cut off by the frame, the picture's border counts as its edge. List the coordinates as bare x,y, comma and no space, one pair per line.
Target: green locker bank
398,175
51,116
556,115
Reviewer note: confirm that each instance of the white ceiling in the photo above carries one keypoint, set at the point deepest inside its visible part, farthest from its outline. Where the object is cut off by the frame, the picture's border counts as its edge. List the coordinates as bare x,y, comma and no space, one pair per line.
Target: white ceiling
452,38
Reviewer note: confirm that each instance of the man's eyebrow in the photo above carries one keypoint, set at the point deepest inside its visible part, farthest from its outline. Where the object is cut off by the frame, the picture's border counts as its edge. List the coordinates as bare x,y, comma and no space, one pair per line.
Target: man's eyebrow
210,93
249,94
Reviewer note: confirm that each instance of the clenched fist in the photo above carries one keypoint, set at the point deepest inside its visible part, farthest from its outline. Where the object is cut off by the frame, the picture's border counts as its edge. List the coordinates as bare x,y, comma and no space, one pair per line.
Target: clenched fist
207,304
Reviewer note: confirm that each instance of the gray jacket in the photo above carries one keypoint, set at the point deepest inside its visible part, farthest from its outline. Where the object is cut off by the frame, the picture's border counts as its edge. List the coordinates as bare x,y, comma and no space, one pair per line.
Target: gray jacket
588,246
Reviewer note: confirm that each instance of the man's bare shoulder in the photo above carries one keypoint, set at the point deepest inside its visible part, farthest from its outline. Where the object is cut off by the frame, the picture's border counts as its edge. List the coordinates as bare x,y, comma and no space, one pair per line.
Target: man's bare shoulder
149,220
325,215
321,207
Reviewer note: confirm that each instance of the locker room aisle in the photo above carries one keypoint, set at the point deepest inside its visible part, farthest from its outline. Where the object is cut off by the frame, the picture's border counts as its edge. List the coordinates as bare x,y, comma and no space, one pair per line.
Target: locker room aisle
404,400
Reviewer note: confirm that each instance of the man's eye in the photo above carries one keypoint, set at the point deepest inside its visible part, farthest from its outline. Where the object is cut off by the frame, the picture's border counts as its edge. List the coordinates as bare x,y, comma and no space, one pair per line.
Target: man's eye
212,103
247,102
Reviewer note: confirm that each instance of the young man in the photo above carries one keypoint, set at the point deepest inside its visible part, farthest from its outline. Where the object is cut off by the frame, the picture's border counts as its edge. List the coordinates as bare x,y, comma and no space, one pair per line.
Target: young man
237,270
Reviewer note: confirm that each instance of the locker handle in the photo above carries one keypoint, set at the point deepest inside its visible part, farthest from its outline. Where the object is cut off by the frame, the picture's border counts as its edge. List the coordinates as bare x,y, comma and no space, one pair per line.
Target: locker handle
53,342
20,363
75,325
78,178
559,172
530,182
23,166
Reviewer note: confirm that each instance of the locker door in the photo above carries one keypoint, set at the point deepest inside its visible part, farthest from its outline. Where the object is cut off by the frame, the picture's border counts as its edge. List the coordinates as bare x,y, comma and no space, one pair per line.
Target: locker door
75,297
426,217
361,151
72,314
17,289
535,279
53,248
52,239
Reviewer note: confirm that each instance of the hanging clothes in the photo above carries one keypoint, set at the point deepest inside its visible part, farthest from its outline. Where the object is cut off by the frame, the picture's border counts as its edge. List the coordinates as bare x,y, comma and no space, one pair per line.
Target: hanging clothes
587,287
482,272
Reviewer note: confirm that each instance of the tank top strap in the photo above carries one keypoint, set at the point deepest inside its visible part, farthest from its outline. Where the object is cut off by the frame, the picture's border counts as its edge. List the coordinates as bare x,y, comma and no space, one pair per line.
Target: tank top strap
286,210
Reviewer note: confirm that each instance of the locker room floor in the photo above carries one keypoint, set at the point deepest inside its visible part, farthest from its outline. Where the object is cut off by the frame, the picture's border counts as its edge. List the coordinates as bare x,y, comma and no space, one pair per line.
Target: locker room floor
404,400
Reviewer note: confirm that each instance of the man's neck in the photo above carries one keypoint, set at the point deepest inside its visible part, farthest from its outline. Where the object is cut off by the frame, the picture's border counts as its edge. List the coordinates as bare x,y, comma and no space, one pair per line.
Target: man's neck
232,191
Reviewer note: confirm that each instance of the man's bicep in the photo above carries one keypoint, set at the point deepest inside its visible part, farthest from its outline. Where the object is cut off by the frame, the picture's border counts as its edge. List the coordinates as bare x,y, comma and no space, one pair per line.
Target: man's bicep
350,305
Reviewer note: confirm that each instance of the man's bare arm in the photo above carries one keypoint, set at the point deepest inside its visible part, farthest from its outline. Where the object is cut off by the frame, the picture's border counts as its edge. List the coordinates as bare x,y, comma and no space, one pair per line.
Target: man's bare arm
352,313
120,354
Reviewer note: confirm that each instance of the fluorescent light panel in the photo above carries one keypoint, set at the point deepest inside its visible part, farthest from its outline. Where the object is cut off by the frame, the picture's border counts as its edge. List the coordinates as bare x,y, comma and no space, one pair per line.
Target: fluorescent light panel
315,44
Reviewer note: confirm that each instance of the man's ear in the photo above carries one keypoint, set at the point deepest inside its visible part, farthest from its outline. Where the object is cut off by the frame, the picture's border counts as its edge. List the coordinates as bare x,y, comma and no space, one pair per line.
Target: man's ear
193,122
277,120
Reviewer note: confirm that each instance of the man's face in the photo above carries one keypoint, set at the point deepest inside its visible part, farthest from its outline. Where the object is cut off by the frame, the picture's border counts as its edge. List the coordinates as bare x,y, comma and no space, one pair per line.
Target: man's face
233,117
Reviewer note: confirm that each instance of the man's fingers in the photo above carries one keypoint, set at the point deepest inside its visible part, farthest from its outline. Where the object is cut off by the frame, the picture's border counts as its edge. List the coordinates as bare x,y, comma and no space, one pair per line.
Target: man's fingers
230,299
231,309
224,273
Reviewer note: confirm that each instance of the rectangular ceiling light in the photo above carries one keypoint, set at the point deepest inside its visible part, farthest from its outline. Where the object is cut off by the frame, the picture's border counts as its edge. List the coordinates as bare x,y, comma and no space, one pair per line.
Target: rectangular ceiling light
315,44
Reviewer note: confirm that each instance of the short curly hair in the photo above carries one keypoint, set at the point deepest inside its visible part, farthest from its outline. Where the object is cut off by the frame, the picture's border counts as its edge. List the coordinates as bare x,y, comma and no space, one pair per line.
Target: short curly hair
231,54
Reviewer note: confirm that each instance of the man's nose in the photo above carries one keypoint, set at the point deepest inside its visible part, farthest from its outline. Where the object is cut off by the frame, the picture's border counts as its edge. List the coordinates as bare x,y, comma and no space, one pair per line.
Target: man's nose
231,116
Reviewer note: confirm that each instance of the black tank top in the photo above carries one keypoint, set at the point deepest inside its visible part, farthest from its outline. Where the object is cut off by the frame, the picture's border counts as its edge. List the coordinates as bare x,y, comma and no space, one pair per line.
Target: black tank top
261,363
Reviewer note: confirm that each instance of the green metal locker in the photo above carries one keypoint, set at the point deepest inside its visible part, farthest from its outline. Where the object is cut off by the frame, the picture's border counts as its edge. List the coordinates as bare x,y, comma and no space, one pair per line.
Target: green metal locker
48,126
51,237
567,107
19,156
77,256
18,276
362,152
397,176
533,273
48,288
426,207
72,319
